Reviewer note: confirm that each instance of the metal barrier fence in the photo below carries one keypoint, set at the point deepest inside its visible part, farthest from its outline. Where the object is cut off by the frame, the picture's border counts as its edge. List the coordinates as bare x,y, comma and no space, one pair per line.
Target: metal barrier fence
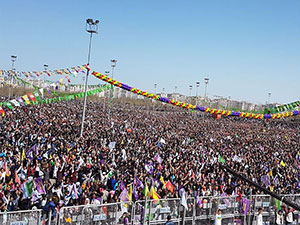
154,212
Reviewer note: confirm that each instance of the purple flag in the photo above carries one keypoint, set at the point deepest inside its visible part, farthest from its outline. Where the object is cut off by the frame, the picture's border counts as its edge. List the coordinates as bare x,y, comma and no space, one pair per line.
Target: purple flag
225,200
245,205
199,201
75,193
136,196
21,101
149,168
158,159
124,195
39,185
122,186
138,183
266,180
49,91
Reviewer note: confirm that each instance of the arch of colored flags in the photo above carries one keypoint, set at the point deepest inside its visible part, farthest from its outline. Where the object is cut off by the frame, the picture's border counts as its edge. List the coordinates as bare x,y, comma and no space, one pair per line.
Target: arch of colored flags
191,106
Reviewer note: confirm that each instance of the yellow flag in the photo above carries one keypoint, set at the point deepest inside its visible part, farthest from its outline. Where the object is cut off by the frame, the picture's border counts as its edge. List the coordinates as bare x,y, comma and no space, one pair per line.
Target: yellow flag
271,173
162,180
130,193
282,163
25,97
153,194
84,185
23,155
69,220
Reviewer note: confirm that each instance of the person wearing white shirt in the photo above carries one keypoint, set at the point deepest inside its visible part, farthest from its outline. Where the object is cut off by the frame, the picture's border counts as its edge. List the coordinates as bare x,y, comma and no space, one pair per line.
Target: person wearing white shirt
259,218
279,218
289,217
218,220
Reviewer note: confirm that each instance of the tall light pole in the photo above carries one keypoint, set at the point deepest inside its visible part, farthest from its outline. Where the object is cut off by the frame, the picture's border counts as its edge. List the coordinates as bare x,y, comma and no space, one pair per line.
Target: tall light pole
206,79
113,65
107,74
191,86
46,68
13,60
197,91
153,101
92,28
269,98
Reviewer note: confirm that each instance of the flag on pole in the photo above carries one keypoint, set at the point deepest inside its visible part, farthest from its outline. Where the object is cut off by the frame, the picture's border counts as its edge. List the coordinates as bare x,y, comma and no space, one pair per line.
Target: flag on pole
130,193
158,158
183,200
162,180
278,204
17,179
39,185
169,186
146,190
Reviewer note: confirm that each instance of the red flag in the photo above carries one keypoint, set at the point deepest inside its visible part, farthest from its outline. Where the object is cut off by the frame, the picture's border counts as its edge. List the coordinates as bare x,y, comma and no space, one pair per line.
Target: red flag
169,186
2,110
32,97
68,79
17,179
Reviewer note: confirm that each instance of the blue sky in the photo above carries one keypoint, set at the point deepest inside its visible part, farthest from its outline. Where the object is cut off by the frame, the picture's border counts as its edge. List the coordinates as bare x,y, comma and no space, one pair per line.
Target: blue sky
246,48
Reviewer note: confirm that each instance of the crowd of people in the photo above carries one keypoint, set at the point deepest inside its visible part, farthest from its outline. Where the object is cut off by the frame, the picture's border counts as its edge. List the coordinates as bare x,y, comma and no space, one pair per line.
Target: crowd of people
45,164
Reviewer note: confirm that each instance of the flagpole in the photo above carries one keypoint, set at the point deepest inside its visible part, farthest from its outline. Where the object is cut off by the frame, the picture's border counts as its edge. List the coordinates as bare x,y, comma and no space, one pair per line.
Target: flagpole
92,29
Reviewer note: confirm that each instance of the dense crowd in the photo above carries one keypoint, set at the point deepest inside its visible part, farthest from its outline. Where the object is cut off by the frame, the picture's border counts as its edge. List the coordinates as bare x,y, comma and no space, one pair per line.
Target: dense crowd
45,164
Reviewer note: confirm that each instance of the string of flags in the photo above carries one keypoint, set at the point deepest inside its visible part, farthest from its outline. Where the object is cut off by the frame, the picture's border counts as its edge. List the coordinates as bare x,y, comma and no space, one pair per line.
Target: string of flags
283,108
194,107
72,71
37,97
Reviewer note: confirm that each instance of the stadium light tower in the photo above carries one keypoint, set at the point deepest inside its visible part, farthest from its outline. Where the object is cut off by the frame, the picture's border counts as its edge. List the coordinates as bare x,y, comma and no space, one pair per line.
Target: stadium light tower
113,65
191,86
45,68
197,90
92,28
206,79
13,60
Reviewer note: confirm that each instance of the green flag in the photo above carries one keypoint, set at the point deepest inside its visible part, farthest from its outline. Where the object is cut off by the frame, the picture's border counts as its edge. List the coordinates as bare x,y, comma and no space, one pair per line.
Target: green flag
221,159
146,190
278,204
9,105
28,188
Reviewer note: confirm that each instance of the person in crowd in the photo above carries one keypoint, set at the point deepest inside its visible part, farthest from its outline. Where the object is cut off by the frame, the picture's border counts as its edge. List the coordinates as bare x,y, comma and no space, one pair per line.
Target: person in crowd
44,162
259,217
169,221
218,219
279,217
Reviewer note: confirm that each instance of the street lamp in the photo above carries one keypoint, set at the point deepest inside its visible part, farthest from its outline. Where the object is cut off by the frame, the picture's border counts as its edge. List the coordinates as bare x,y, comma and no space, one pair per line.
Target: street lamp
45,68
269,98
197,90
92,28
191,86
106,74
206,79
113,65
13,60
153,101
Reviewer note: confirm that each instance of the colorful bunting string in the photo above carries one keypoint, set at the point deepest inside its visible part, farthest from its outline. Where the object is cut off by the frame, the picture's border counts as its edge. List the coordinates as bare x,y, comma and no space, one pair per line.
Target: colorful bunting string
68,71
35,98
193,107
